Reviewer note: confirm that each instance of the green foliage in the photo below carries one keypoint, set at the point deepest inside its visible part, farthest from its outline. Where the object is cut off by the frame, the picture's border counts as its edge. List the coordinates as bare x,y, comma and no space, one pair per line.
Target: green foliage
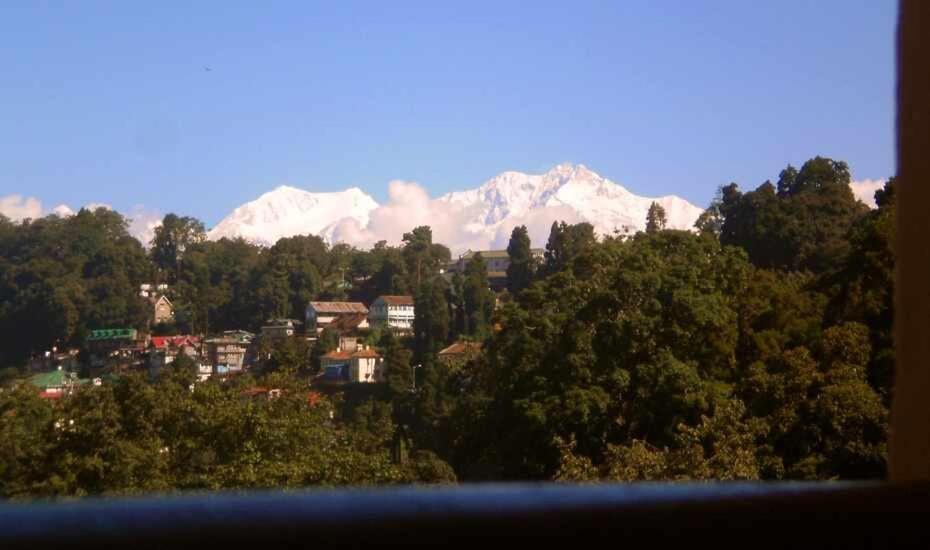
62,277
431,324
398,372
172,239
759,347
655,218
290,355
327,341
522,266
565,243
478,300
803,224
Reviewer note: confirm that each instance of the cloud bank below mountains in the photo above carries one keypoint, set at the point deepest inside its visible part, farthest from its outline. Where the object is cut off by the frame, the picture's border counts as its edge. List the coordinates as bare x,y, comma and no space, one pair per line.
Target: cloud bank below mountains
409,205
864,190
142,221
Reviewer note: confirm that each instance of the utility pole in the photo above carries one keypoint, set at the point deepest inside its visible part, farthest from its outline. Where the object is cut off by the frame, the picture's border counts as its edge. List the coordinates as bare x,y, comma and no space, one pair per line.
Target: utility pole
414,369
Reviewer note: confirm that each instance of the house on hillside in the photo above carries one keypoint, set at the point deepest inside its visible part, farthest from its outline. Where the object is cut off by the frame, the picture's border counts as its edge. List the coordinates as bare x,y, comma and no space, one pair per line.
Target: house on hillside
54,358
362,365
350,324
366,366
320,315
163,310
119,347
395,312
56,384
164,349
334,366
460,352
204,371
348,343
497,262
228,353
280,328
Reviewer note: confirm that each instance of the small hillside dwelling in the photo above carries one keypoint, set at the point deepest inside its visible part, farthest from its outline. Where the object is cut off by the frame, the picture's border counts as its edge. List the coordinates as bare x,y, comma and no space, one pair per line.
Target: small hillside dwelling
280,328
350,324
227,351
365,365
460,353
116,346
204,372
497,262
54,384
163,310
335,365
348,343
242,336
395,312
319,315
164,349
362,365
54,358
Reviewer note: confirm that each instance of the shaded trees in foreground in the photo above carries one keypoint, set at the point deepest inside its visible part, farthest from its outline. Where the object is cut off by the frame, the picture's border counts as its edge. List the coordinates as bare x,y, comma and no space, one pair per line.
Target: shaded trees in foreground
758,347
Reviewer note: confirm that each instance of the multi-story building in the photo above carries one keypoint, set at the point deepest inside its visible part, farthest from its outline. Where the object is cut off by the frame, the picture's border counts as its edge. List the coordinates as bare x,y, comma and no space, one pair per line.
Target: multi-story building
320,315
396,312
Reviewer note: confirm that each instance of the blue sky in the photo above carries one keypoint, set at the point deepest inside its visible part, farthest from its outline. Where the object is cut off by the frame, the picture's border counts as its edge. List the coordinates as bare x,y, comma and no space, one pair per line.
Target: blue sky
110,101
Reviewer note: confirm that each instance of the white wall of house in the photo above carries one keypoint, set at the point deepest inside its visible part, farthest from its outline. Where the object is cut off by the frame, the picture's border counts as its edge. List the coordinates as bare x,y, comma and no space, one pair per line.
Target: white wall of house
364,369
399,317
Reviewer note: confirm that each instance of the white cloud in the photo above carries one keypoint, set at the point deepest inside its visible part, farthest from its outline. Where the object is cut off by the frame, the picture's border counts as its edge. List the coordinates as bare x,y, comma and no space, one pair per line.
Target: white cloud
18,208
538,224
62,210
409,206
864,190
95,205
142,221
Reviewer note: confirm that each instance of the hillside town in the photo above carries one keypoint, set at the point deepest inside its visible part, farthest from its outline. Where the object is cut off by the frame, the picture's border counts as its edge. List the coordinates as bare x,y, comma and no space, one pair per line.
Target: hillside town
111,351
195,363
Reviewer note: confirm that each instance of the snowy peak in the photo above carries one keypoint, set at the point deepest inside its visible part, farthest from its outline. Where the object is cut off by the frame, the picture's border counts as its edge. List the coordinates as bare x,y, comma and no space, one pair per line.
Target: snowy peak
287,211
603,203
481,217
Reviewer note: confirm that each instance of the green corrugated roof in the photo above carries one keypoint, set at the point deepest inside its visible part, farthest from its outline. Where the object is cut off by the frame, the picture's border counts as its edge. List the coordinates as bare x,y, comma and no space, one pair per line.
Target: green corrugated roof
55,378
113,334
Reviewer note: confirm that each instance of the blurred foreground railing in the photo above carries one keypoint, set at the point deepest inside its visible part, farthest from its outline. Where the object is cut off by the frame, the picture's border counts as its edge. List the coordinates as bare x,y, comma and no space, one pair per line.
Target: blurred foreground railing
751,515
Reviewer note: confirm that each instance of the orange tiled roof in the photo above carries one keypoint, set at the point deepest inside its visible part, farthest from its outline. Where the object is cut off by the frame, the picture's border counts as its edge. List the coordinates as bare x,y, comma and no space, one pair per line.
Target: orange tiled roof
339,307
460,348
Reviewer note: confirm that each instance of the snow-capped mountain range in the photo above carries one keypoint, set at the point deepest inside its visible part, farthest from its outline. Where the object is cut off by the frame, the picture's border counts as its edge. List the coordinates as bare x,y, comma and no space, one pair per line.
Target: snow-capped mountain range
603,203
480,217
287,211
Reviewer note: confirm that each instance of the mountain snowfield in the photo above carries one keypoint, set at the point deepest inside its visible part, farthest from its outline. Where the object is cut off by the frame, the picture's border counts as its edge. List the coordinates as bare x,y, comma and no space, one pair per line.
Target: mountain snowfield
607,206
287,211
478,218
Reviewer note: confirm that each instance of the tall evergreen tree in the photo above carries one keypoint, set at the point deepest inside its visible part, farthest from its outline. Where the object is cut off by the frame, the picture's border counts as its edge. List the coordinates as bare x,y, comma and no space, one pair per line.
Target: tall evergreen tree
565,243
458,323
431,324
800,223
522,264
171,240
478,298
417,246
655,218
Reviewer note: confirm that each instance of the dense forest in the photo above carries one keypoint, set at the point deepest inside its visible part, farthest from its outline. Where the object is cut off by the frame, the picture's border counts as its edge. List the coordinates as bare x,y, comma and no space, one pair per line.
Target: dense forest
757,346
